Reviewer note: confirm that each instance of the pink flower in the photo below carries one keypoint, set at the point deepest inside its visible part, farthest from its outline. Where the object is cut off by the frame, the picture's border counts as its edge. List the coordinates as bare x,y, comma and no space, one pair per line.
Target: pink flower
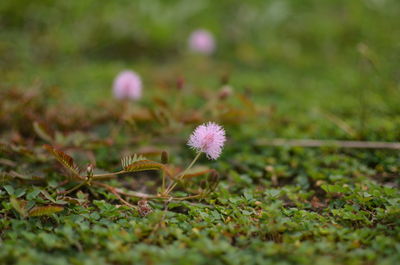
201,41
127,85
225,92
208,138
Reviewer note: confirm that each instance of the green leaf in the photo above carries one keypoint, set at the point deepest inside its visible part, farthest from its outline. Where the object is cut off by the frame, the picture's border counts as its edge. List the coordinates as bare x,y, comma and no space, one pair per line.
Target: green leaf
19,192
47,196
9,189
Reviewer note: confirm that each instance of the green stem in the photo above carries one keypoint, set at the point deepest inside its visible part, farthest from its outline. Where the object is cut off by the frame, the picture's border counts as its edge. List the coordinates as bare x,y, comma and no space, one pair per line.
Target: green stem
75,188
143,195
190,166
86,182
107,175
182,174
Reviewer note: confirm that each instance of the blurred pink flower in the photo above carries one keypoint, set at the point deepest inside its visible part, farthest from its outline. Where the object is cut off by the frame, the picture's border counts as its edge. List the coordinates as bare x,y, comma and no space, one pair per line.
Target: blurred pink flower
127,85
208,138
225,92
202,41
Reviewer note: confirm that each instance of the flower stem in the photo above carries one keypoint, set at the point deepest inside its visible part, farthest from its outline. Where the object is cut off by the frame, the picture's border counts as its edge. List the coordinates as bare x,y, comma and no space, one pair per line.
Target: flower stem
182,174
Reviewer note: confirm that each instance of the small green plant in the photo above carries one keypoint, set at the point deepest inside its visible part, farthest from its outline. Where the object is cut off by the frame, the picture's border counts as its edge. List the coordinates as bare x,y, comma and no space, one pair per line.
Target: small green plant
208,138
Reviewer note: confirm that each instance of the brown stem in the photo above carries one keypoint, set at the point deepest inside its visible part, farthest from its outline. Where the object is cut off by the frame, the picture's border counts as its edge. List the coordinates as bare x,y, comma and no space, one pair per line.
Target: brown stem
143,195
332,143
122,200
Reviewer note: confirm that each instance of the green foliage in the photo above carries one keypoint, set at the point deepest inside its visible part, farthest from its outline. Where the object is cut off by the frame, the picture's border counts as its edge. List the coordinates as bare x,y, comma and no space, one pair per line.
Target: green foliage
298,69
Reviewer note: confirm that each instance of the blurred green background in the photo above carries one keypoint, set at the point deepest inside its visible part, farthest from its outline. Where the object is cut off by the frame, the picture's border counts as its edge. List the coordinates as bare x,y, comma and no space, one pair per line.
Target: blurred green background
339,56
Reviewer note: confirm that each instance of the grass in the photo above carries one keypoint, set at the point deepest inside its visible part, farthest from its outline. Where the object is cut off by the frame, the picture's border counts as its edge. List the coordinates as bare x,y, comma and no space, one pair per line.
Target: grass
299,70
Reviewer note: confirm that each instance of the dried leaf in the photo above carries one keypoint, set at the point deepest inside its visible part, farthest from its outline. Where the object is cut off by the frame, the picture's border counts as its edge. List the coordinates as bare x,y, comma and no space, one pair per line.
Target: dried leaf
74,200
144,208
196,174
212,180
197,171
160,115
160,102
7,162
191,117
20,176
42,132
164,157
19,206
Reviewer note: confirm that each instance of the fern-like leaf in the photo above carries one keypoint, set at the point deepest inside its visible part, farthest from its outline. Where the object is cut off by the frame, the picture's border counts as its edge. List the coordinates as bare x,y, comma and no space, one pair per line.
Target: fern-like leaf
136,163
45,210
128,160
64,159
144,165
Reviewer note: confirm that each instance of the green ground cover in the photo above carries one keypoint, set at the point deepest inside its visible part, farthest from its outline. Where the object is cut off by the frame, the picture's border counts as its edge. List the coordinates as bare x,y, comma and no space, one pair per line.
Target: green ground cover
298,69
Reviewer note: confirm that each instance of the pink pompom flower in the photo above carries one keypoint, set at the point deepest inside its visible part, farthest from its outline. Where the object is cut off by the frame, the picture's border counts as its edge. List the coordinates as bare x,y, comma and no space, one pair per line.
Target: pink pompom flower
127,85
202,41
208,138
